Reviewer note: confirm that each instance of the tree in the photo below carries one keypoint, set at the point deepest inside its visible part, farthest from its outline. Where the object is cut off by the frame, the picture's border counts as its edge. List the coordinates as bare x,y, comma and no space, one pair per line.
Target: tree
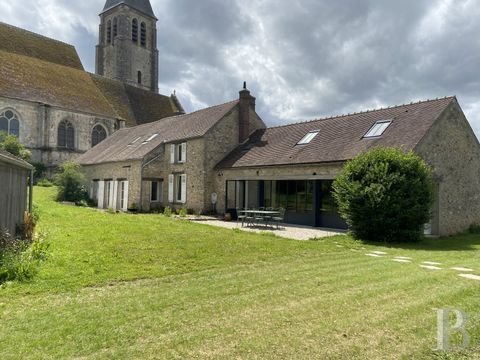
385,195
71,183
11,144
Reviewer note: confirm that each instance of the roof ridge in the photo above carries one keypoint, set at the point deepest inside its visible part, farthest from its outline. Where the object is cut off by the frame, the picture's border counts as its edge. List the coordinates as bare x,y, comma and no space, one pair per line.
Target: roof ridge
362,112
200,110
36,34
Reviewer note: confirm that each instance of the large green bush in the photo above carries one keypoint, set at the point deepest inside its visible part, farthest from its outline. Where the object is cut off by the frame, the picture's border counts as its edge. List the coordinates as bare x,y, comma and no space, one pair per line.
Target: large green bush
71,183
385,195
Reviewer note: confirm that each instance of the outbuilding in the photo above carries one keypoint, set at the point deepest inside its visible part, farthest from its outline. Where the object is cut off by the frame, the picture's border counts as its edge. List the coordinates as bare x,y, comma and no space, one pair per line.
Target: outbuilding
15,191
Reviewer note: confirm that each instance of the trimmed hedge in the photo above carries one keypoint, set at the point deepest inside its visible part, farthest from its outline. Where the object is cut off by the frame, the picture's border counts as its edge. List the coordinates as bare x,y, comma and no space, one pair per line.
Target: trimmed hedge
385,195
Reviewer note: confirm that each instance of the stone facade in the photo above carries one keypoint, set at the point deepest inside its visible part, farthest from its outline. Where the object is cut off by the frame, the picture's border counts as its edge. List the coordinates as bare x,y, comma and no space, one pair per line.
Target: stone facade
39,129
452,149
119,57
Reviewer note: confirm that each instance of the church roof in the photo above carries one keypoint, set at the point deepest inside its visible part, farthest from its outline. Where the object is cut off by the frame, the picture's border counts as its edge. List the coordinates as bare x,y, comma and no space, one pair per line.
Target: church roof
140,5
23,42
131,144
136,106
339,138
34,80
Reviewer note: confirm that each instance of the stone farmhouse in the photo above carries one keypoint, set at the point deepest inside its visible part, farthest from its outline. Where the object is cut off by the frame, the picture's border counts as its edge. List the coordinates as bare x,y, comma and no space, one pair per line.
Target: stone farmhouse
57,109
150,154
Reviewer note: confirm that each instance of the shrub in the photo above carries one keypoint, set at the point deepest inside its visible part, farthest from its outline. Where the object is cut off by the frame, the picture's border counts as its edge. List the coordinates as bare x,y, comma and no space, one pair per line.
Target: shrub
71,182
385,195
167,212
20,259
182,212
44,183
11,144
39,173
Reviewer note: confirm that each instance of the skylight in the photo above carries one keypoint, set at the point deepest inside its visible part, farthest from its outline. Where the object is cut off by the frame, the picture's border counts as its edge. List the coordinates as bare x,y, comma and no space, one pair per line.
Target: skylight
378,129
134,141
308,138
151,138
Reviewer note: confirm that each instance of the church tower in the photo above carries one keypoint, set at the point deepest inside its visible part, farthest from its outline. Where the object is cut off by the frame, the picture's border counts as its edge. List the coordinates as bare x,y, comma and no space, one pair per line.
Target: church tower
127,49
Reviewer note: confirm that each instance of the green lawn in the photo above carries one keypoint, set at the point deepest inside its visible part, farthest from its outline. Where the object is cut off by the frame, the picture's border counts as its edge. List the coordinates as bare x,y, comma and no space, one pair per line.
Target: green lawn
147,287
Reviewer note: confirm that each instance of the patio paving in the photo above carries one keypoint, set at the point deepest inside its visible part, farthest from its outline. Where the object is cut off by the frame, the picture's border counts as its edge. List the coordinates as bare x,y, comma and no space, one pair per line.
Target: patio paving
296,232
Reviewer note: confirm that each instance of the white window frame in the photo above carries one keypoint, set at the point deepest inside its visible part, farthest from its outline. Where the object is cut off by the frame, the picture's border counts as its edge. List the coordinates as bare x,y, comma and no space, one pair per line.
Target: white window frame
308,137
378,129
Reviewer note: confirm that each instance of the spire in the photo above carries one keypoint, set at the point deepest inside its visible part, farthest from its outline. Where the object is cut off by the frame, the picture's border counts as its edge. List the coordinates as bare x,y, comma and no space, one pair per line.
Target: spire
143,6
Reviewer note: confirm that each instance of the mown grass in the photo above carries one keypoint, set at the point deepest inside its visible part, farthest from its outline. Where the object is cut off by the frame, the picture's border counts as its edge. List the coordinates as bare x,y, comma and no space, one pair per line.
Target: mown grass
148,287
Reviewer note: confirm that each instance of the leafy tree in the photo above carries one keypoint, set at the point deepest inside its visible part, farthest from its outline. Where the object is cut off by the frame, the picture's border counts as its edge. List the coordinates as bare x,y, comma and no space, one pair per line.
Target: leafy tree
71,182
385,195
11,144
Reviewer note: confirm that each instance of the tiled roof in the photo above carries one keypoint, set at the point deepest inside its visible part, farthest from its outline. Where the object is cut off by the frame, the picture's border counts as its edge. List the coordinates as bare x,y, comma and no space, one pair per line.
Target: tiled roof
148,106
141,5
339,138
129,144
7,157
136,106
35,80
23,42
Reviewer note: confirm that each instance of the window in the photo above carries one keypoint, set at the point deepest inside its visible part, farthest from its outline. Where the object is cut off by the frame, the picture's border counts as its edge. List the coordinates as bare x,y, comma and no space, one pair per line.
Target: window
115,27
177,188
9,123
156,191
66,135
135,30
378,129
109,32
308,138
150,138
178,153
143,34
134,141
139,77
123,192
98,135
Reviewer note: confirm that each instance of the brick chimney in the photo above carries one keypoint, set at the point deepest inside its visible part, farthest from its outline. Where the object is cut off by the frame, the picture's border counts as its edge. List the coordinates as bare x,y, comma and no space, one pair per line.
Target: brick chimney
246,103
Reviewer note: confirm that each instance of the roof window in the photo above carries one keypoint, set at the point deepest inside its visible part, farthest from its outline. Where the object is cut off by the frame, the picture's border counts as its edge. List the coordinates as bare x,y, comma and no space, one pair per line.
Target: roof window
308,138
150,138
378,129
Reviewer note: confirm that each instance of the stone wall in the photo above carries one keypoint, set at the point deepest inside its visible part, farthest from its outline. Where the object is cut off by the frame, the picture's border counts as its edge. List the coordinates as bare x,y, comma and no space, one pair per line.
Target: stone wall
128,170
39,124
453,151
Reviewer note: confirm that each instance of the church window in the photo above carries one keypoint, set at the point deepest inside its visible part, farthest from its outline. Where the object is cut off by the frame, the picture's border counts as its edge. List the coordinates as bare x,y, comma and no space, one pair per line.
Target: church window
135,30
139,75
115,27
98,134
143,34
66,135
9,123
109,32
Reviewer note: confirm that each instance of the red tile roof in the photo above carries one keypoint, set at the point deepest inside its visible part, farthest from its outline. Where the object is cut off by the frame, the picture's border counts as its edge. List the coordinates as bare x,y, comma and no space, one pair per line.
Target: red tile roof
339,138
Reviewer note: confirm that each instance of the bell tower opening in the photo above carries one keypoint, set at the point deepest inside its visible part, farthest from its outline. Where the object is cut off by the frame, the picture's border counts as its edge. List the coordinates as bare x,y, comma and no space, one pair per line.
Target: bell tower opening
127,48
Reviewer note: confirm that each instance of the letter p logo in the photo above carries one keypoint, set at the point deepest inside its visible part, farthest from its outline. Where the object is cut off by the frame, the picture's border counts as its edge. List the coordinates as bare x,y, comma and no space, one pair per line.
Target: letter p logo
443,328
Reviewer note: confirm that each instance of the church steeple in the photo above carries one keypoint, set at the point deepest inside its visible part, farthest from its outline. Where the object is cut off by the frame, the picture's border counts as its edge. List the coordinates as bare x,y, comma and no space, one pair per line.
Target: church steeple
127,49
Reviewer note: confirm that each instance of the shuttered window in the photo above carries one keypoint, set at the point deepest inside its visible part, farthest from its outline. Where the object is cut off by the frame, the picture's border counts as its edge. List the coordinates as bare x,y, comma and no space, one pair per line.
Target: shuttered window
171,184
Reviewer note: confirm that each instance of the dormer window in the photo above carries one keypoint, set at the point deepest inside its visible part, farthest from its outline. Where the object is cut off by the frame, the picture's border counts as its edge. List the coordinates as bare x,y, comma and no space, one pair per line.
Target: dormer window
308,138
378,129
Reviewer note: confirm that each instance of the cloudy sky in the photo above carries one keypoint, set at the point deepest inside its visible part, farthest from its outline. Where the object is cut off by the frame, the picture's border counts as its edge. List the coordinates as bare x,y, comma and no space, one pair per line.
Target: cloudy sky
302,59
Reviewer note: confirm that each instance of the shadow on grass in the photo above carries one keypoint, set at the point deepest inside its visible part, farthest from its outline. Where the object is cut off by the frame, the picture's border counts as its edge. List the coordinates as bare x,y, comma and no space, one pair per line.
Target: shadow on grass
463,242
